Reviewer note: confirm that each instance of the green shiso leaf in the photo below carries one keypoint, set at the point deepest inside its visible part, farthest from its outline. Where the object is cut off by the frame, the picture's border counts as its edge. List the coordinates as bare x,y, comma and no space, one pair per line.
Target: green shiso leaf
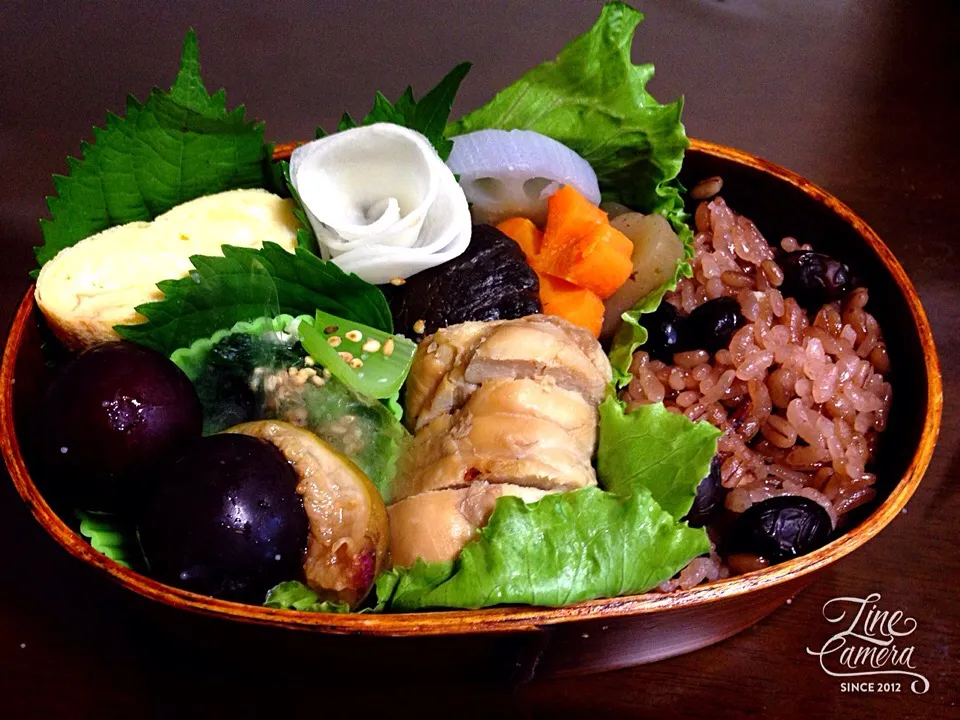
173,148
584,544
381,376
593,99
294,595
428,116
246,284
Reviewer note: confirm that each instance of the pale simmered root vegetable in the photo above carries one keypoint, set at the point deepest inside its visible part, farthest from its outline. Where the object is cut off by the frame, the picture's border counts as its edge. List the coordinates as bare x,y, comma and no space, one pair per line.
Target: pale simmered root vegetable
656,252
500,408
96,284
348,540
436,525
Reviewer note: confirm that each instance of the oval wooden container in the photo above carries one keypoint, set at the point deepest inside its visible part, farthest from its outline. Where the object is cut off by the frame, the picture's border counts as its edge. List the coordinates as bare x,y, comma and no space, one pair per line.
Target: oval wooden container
517,642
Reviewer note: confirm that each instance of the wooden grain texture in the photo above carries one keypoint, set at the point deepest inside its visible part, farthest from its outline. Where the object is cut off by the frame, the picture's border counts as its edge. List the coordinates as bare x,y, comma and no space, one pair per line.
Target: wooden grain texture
858,97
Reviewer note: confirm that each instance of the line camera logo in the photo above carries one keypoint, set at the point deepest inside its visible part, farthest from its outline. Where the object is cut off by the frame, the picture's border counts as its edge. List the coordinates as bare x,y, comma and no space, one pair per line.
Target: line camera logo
871,645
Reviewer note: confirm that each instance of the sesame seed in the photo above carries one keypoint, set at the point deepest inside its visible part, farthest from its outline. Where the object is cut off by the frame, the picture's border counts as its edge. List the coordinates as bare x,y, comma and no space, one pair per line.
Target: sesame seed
419,326
327,374
347,357
397,281
371,346
356,363
292,371
309,361
308,371
388,348
330,329
318,381
334,340
354,336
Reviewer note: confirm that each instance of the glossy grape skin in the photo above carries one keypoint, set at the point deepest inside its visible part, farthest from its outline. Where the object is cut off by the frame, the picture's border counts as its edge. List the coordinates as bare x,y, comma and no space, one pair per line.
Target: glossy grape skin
225,520
109,417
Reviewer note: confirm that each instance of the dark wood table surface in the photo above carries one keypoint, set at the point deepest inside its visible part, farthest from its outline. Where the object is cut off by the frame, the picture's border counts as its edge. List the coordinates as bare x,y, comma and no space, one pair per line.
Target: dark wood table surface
861,97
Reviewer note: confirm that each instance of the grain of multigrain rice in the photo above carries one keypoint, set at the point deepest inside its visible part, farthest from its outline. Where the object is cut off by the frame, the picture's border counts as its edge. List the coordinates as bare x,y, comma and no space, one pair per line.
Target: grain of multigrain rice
800,399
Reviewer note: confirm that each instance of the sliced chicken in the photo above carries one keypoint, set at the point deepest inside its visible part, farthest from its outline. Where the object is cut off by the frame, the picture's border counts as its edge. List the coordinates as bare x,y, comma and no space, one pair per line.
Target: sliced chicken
506,448
504,407
536,348
430,391
540,398
437,525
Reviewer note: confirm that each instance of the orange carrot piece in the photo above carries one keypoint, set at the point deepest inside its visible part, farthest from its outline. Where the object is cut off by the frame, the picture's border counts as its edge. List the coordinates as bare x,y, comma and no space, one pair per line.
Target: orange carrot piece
570,216
527,235
581,307
595,262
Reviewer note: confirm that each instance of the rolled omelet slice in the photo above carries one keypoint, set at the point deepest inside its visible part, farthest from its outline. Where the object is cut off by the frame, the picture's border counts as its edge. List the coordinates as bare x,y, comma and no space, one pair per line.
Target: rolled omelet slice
96,284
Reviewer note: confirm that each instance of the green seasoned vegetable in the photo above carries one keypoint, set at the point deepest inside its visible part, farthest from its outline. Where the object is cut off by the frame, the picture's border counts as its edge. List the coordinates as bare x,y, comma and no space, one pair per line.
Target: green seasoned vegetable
224,369
295,595
593,99
584,544
428,116
654,449
364,430
174,147
380,360
242,374
247,284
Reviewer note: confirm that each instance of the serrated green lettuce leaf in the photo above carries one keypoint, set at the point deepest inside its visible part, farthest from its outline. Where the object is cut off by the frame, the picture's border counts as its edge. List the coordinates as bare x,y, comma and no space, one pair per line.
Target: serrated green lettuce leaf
562,549
173,148
584,544
654,449
593,99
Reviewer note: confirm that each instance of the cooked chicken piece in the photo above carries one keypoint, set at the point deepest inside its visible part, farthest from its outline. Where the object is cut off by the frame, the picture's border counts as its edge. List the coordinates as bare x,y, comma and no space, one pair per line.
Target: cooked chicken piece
541,346
503,407
540,398
450,364
435,384
437,525
499,448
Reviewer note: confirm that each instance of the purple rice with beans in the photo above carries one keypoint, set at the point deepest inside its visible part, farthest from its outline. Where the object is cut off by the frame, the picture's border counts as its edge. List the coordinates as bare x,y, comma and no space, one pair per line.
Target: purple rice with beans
800,393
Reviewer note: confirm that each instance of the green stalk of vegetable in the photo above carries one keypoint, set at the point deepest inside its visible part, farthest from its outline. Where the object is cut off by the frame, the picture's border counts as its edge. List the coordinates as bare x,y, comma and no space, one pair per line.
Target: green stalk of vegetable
368,360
